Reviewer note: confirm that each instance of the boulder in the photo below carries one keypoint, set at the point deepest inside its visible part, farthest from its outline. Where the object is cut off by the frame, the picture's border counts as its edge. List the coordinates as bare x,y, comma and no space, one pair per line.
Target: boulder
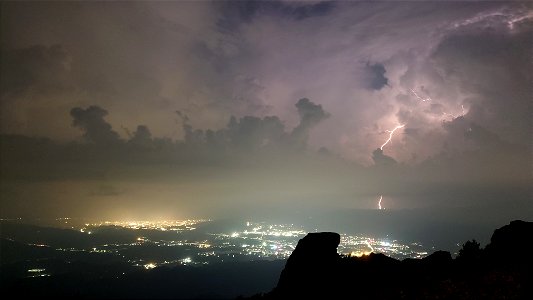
310,270
510,243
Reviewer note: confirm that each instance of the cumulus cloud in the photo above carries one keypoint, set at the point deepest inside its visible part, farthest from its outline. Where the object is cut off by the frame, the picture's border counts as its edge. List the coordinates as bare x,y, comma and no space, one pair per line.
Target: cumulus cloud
252,133
142,137
214,61
489,66
310,115
95,128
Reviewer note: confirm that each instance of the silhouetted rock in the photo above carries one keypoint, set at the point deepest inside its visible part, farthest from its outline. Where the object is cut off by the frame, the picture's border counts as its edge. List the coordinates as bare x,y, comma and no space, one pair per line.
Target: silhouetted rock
438,258
315,270
506,242
311,266
320,245
379,259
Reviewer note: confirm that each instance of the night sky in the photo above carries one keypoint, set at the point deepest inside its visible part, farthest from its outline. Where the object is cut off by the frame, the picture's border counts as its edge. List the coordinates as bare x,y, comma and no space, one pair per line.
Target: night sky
218,109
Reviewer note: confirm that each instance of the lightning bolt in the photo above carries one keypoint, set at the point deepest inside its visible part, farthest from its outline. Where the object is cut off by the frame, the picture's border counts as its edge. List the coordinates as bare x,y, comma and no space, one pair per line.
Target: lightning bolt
420,98
445,114
391,133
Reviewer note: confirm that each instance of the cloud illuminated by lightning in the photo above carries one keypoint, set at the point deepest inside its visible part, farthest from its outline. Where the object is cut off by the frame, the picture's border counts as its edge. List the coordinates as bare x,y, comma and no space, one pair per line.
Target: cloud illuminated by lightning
458,115
516,19
511,19
445,114
391,133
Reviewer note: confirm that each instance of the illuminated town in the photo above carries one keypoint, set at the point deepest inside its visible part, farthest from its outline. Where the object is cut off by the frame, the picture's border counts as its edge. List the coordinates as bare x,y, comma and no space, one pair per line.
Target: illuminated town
151,244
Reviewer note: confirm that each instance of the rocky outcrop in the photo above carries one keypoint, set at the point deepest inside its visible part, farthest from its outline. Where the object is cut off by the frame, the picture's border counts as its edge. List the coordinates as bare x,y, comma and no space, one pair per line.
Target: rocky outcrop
439,259
311,267
503,270
509,243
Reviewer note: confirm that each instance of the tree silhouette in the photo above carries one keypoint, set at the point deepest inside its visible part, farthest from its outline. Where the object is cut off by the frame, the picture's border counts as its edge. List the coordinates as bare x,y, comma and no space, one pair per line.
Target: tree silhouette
470,251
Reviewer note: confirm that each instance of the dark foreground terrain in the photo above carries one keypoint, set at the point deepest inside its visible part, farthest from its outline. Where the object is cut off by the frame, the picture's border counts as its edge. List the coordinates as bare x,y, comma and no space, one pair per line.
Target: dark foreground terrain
502,270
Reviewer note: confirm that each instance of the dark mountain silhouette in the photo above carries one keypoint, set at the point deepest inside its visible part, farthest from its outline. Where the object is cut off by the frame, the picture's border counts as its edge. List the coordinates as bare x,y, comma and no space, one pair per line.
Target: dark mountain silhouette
503,270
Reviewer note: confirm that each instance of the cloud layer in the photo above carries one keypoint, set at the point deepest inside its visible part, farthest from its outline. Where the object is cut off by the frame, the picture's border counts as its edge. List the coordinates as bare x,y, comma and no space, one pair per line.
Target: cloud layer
197,103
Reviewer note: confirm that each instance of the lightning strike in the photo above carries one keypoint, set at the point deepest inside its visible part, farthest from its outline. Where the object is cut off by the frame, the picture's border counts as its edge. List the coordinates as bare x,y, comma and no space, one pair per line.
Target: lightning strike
379,202
391,133
420,98
445,114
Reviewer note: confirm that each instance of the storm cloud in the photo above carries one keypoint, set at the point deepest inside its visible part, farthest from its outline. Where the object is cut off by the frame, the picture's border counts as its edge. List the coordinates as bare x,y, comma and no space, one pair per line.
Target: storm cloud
90,95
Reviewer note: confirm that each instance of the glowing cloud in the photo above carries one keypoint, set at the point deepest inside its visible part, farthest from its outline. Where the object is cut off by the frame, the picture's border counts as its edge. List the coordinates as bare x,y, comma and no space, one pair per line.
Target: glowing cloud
463,112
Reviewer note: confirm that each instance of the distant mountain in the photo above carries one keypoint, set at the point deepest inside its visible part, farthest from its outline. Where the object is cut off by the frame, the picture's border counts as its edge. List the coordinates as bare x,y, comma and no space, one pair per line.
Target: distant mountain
503,270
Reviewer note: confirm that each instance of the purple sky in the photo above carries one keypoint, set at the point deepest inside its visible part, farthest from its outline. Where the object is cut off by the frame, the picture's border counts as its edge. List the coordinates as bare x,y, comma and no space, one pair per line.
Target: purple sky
457,75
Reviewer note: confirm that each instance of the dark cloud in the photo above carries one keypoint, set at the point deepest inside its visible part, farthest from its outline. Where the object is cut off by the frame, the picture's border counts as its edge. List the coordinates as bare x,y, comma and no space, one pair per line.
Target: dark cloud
381,159
251,133
491,66
43,68
468,131
374,78
91,122
308,10
245,11
310,115
142,137
258,138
